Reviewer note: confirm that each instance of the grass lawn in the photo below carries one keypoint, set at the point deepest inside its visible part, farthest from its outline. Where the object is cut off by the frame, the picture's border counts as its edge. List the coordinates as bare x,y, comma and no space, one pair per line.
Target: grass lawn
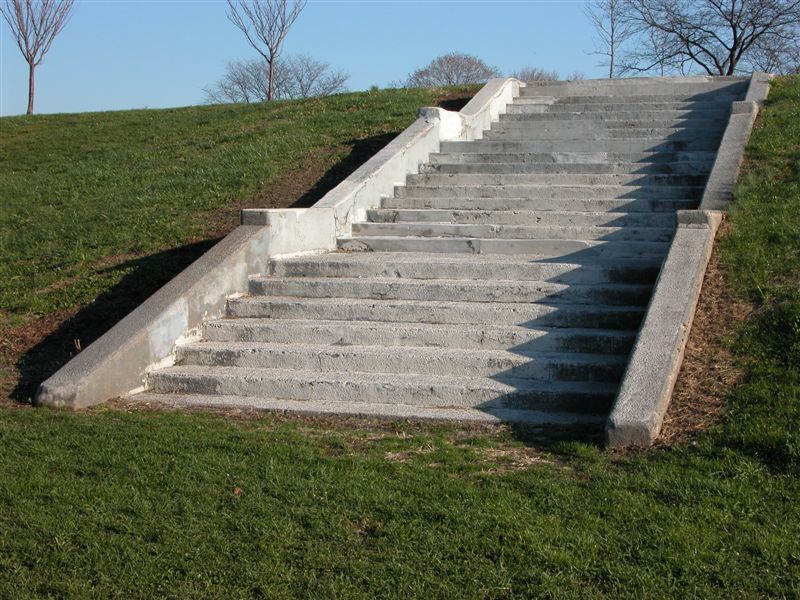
125,503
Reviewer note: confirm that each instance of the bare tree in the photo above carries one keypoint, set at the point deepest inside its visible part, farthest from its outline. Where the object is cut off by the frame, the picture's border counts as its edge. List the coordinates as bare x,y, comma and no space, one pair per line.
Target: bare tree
245,81
718,37
776,55
451,69
612,27
575,76
535,74
307,77
35,24
265,24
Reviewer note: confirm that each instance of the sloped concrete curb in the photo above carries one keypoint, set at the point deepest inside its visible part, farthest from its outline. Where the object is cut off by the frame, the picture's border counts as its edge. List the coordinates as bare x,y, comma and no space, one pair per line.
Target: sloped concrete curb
721,182
118,362
646,390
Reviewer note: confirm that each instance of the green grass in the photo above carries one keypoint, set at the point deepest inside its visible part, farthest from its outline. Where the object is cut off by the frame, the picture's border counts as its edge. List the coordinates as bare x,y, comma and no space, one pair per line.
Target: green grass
82,191
138,505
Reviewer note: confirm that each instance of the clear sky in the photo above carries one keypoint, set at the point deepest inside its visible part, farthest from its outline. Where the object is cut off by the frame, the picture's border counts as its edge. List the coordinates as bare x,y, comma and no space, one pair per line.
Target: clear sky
118,54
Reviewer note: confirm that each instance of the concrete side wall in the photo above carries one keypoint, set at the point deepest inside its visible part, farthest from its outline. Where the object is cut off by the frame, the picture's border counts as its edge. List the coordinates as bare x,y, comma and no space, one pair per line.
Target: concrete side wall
722,180
116,364
655,362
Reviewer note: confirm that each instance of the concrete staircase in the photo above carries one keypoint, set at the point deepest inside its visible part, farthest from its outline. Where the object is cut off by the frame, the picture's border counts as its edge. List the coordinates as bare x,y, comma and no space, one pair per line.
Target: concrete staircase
505,281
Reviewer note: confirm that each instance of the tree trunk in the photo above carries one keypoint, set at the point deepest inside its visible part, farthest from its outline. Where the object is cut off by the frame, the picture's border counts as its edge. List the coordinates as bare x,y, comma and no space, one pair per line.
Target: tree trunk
31,68
269,82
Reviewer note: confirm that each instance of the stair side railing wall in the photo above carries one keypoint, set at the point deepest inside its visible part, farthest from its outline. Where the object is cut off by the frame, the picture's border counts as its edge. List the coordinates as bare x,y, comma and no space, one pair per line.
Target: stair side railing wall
644,396
117,363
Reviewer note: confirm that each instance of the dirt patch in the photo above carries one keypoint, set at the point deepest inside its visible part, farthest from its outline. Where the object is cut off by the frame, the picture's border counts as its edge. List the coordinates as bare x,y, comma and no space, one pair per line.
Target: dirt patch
454,101
708,373
511,459
14,345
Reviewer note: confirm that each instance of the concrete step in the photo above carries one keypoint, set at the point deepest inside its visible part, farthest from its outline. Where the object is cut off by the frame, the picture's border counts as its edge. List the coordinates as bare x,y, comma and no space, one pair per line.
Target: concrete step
653,127
514,231
599,134
617,145
670,117
372,410
576,249
524,217
428,390
474,336
553,179
499,364
609,168
472,201
630,89
477,314
376,288
409,265
552,190
578,158
532,106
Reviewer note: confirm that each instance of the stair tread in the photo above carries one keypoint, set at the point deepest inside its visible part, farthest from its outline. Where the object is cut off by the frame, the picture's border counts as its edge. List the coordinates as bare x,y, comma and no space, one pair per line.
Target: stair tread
397,379
415,257
375,409
521,354
260,321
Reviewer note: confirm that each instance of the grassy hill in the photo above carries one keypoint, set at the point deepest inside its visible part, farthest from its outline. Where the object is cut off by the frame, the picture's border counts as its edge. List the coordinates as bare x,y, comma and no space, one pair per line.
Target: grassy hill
117,502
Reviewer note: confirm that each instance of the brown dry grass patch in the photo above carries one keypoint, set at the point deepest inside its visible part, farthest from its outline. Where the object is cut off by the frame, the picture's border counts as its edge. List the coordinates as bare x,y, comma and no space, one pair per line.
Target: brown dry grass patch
708,374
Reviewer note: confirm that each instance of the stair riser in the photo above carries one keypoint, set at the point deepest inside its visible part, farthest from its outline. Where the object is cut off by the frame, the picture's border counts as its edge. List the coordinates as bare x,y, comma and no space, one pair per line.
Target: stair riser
539,315
645,159
567,134
477,337
435,290
527,106
389,360
626,169
666,127
554,192
544,179
521,218
514,232
632,272
584,145
540,204
670,118
356,391
574,249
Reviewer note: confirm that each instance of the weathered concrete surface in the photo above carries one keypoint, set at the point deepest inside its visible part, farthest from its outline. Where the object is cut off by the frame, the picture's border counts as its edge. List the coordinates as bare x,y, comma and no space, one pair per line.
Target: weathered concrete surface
373,410
469,336
647,386
423,390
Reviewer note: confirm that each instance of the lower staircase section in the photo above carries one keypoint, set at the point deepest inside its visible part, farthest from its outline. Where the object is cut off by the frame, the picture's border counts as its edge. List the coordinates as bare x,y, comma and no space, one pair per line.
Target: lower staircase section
505,282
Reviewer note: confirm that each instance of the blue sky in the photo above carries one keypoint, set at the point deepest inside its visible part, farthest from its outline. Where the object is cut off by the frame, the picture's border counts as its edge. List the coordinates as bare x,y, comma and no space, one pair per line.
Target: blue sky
117,54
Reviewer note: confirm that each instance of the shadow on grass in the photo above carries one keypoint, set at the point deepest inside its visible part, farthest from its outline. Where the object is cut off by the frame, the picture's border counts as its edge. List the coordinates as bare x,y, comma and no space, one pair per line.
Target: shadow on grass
360,152
147,274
